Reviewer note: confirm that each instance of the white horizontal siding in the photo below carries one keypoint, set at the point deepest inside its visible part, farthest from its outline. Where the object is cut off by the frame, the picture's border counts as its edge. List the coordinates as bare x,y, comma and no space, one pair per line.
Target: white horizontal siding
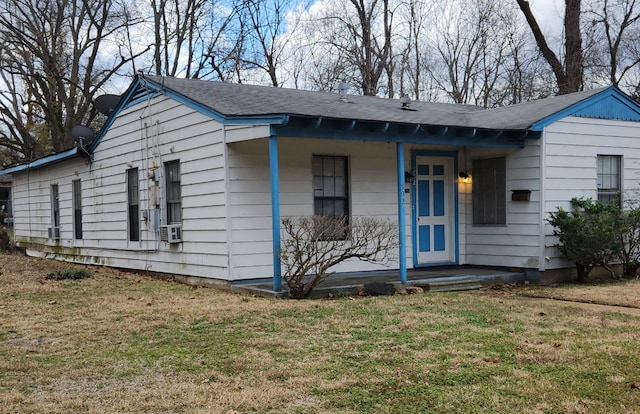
144,137
238,133
516,244
32,201
372,168
571,149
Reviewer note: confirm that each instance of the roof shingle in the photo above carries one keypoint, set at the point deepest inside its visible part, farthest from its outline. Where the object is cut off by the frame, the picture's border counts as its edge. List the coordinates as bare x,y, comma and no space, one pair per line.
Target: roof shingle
251,100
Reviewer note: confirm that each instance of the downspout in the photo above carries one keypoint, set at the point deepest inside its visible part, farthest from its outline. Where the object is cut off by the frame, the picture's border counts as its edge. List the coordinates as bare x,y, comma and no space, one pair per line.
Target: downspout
402,234
275,210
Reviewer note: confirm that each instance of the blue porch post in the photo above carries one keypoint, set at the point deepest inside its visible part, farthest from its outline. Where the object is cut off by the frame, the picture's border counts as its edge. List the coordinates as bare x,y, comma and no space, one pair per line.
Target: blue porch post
401,214
275,211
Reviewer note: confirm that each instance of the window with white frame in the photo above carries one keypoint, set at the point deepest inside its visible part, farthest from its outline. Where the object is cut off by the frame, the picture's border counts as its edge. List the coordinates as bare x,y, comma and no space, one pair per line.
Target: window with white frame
330,185
331,191
609,170
489,191
55,206
173,192
133,201
77,208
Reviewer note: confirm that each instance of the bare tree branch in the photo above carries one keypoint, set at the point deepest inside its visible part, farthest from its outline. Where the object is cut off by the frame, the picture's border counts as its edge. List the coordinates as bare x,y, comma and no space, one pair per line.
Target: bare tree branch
314,245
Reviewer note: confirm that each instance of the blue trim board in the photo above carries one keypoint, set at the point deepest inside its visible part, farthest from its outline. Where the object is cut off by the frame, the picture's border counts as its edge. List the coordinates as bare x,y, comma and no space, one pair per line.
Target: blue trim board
236,120
125,102
402,226
414,222
41,162
611,103
275,212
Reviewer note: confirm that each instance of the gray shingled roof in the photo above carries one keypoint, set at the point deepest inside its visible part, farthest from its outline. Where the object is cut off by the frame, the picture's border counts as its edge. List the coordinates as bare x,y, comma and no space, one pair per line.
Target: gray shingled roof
232,99
524,115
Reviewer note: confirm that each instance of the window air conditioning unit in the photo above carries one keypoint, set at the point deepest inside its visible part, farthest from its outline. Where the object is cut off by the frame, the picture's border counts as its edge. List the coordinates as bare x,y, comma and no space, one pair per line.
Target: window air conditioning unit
54,233
171,233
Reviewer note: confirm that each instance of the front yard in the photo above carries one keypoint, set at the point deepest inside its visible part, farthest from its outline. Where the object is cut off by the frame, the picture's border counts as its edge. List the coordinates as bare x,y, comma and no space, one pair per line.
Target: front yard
122,342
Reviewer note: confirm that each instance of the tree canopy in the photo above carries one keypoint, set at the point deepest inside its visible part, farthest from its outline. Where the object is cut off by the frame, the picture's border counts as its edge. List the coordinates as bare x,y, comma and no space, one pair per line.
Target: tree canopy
59,55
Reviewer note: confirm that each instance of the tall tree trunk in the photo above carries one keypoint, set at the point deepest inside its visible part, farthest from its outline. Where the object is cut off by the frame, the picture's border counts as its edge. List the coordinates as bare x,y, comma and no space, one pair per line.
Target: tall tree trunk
569,76
574,61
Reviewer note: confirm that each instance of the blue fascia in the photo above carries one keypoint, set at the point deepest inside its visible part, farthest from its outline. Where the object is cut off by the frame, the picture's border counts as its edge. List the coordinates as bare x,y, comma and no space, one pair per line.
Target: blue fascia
125,102
41,162
414,222
611,103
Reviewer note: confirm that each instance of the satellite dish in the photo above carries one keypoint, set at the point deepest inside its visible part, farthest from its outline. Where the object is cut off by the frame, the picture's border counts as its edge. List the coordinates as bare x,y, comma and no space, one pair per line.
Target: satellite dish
106,103
82,134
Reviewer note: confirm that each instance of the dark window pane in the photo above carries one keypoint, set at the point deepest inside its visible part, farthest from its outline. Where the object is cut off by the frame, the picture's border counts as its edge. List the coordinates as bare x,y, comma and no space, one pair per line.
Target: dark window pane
489,191
55,206
330,186
77,209
173,192
133,201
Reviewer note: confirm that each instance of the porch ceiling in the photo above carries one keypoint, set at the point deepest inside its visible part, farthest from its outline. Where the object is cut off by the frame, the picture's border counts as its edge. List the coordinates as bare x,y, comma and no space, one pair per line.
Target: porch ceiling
363,130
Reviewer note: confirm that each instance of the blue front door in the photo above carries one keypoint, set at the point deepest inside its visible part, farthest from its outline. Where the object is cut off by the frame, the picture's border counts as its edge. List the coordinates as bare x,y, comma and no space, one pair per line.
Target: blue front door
435,210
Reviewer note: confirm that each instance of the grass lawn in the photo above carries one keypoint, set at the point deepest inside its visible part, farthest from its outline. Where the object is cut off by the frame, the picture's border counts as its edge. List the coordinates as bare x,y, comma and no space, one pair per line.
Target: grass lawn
121,342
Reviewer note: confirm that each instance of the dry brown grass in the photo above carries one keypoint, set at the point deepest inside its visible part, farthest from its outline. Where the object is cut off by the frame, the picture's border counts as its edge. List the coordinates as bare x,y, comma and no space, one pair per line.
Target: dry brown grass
41,323
624,293
123,342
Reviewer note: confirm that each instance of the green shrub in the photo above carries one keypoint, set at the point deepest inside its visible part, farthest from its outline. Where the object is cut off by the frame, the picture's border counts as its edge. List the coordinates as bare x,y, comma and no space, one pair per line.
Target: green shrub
589,234
629,237
68,275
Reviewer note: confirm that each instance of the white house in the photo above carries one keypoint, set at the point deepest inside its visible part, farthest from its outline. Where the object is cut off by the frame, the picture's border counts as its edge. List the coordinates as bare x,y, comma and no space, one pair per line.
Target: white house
192,177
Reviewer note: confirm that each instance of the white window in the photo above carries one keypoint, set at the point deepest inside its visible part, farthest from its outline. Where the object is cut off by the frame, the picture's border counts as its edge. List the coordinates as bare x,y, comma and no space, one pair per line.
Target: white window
330,186
609,177
174,198
133,200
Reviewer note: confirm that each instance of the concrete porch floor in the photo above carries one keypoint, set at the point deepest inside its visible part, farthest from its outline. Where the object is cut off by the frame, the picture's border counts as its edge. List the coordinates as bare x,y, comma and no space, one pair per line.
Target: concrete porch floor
450,278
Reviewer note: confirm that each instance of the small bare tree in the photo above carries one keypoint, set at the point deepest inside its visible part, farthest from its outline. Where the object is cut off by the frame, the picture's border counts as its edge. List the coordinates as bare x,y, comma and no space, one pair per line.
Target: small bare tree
314,245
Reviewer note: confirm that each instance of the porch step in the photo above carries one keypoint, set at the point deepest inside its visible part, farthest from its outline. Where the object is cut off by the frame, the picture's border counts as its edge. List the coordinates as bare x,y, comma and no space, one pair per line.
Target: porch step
452,285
